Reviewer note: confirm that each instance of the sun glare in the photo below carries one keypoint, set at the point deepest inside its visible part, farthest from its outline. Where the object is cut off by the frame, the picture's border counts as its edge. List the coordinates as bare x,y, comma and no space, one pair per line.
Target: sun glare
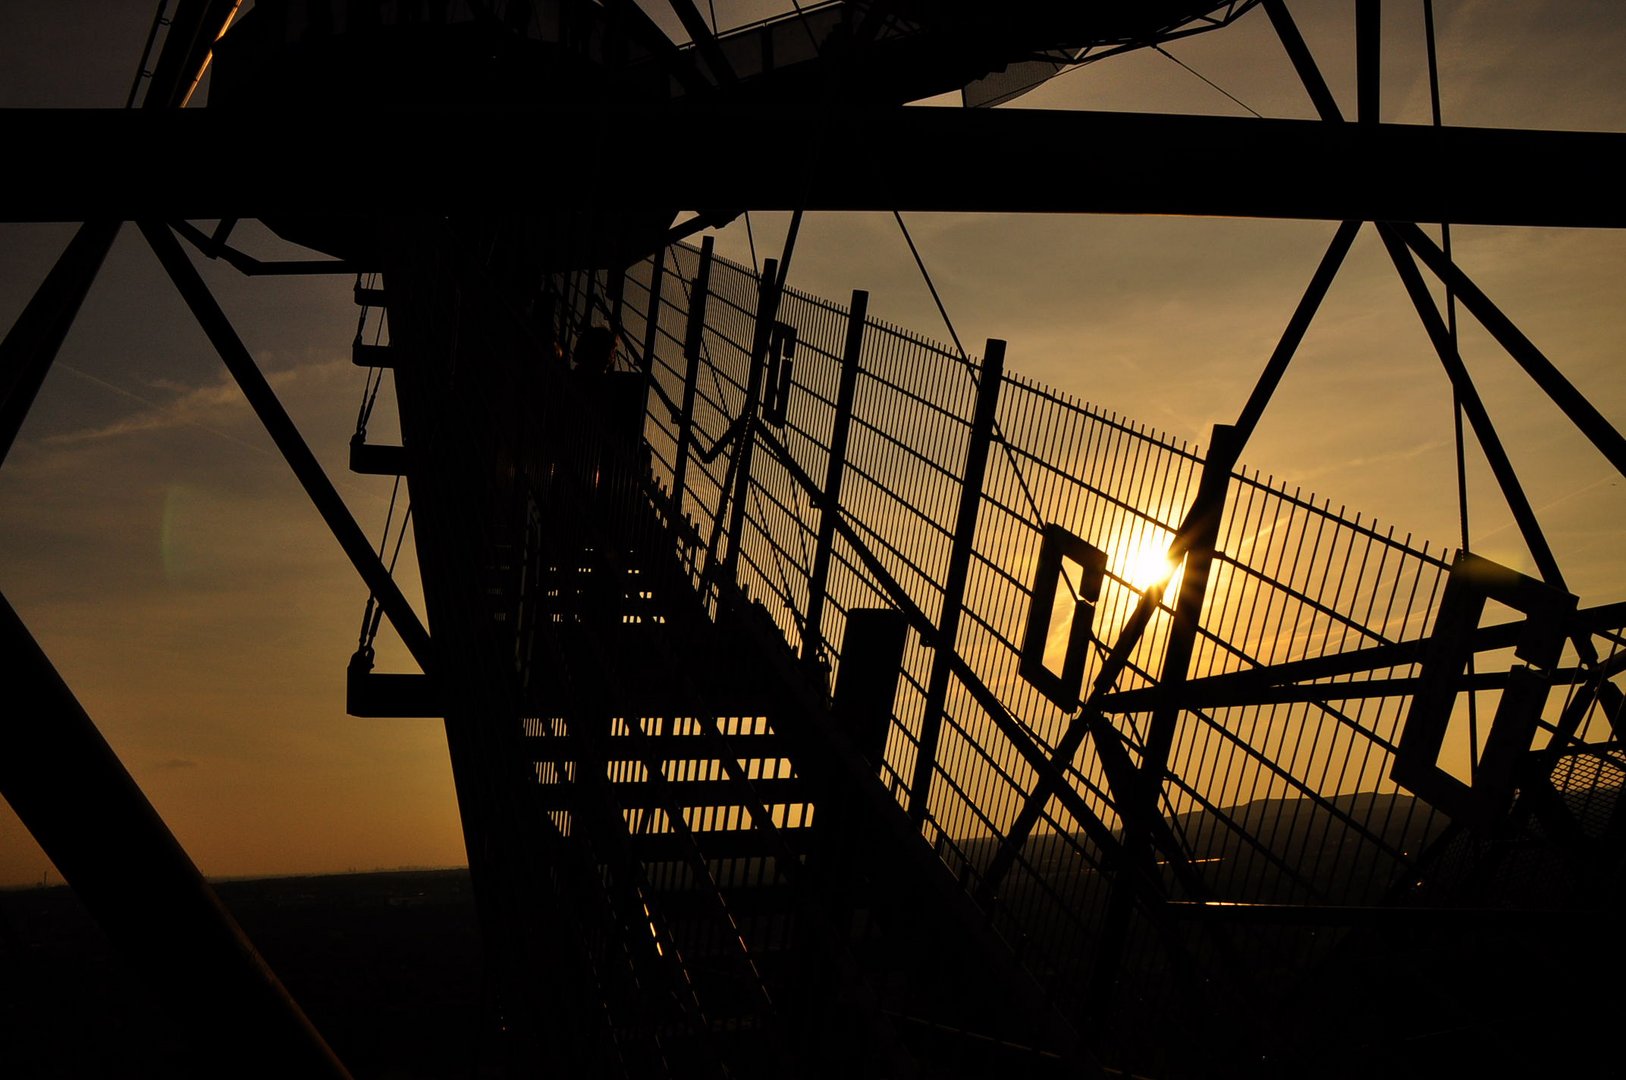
1144,560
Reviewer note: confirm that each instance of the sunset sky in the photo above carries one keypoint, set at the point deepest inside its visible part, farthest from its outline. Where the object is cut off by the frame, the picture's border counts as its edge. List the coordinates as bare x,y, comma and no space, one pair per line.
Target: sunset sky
167,561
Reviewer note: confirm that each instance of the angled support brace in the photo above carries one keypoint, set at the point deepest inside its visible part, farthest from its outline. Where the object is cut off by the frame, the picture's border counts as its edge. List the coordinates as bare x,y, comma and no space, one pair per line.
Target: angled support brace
216,247
704,40
1288,345
1518,503
32,343
88,814
283,432
1581,412
1299,53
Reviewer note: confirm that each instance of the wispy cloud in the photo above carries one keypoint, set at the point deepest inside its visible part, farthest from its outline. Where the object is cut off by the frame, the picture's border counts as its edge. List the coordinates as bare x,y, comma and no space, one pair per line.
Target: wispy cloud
201,407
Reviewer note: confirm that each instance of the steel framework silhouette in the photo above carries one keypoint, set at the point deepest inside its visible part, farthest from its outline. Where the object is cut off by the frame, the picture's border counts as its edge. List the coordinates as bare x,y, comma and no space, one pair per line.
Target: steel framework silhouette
804,708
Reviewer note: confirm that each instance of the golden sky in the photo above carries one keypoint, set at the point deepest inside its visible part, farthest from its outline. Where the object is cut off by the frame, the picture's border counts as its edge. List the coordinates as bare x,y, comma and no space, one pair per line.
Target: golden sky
167,561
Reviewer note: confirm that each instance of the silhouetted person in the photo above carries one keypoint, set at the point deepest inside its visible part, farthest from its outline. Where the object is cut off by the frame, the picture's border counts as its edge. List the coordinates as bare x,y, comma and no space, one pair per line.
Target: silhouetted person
595,350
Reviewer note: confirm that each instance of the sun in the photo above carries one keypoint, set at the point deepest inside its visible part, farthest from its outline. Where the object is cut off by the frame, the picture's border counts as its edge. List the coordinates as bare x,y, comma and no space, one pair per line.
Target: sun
1143,559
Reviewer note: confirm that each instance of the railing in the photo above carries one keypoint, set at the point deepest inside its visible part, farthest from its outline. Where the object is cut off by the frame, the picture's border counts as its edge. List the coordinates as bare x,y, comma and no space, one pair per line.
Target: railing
1283,798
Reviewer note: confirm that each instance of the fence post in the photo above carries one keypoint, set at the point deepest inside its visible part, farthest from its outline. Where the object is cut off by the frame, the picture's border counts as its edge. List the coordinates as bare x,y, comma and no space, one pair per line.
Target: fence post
693,338
653,324
1188,607
767,311
830,506
1138,807
965,527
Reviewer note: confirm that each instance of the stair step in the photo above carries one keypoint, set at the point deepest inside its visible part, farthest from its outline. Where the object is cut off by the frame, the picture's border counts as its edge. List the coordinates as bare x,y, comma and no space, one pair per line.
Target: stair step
692,908
652,694
687,794
372,356
721,844
375,459
688,747
374,694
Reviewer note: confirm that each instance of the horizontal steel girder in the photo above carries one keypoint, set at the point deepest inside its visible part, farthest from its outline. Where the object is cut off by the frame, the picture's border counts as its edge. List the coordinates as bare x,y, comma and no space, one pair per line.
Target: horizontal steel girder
199,163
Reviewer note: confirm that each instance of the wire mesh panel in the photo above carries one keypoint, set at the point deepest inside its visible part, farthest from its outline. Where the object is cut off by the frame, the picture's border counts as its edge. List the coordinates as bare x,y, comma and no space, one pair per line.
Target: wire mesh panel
1271,792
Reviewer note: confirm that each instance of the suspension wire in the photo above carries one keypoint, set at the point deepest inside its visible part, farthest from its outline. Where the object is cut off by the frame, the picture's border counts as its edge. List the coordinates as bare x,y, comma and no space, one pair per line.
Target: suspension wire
1450,293
400,537
158,20
1164,52
999,435
1456,397
375,374
751,239
369,613
801,17
931,287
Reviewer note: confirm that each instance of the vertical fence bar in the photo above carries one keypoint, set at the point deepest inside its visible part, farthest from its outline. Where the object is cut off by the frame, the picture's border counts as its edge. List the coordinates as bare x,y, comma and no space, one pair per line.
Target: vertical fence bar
830,508
965,527
1138,806
767,309
652,325
617,288
693,339
1210,500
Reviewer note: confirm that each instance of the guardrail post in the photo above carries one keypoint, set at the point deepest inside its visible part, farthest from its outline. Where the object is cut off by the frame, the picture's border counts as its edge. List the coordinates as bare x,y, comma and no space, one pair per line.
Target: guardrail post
767,311
1188,607
830,505
693,339
965,527
1138,807
652,325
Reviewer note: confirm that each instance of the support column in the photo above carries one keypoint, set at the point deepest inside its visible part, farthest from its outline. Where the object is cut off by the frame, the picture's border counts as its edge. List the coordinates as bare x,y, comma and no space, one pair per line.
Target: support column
693,342
1188,608
830,504
965,527
1137,793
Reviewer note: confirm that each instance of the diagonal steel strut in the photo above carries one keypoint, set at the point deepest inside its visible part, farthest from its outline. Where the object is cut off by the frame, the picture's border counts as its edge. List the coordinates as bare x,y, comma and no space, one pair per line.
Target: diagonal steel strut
281,427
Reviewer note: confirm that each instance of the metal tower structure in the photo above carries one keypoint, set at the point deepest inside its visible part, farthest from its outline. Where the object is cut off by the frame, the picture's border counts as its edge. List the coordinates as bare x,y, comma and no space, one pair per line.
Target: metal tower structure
804,711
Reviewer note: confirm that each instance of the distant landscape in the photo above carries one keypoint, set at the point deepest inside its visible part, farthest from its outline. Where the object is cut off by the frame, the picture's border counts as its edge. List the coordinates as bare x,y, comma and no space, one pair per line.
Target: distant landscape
386,964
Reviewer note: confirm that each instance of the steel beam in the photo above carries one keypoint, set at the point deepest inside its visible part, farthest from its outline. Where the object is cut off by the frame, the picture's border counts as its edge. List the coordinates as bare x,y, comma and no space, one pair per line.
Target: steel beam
1581,412
1326,106
33,340
70,789
1518,503
206,164
1293,335
281,428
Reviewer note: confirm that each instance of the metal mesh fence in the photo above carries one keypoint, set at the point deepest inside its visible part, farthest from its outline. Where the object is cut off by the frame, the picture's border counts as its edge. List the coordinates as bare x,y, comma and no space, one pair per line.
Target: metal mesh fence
1280,801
